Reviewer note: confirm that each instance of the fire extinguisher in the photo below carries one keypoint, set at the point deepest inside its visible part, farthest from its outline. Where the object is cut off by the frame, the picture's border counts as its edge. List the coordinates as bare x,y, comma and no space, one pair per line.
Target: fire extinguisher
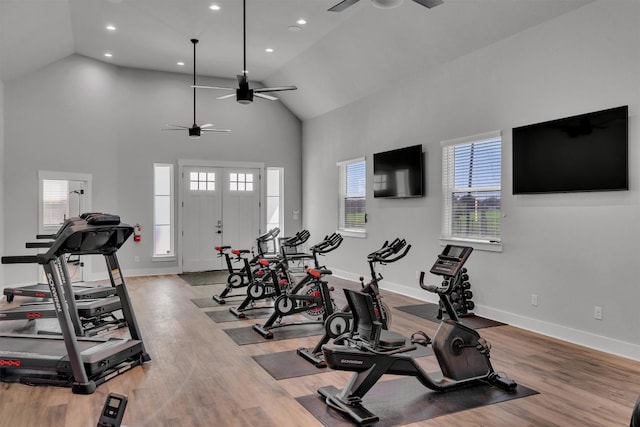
136,233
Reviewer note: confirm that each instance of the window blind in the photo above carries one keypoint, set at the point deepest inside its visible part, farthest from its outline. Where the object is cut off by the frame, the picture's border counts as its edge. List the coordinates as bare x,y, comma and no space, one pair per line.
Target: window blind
471,169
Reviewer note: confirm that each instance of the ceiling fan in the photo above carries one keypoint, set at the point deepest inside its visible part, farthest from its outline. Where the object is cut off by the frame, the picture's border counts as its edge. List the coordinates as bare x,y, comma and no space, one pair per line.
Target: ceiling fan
195,130
244,94
383,4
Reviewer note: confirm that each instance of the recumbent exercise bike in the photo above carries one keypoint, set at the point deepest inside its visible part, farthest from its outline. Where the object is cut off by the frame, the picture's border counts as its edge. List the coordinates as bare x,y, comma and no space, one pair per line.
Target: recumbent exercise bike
462,354
340,321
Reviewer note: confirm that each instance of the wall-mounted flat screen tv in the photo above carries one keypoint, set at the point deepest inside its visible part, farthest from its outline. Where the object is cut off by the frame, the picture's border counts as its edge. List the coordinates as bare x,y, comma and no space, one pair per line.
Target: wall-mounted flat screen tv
587,152
398,173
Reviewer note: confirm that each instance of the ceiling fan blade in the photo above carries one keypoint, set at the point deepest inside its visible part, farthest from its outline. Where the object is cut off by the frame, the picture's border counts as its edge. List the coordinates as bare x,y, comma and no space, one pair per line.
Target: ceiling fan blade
178,126
429,3
342,5
215,130
262,95
208,125
226,96
181,130
212,87
274,89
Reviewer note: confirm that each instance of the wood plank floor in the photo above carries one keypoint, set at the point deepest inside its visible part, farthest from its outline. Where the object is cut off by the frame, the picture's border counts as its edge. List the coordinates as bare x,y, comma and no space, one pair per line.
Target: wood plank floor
199,376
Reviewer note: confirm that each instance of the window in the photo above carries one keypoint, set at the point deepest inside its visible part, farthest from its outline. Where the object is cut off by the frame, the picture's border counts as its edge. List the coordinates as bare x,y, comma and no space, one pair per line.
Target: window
352,215
241,181
274,199
471,180
163,245
61,195
201,181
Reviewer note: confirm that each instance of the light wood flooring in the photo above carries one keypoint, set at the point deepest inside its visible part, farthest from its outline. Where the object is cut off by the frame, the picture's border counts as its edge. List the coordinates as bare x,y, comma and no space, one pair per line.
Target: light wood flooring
199,376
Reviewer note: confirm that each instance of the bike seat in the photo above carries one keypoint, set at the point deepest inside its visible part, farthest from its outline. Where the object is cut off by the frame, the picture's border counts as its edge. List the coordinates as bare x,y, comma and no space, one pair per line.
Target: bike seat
390,339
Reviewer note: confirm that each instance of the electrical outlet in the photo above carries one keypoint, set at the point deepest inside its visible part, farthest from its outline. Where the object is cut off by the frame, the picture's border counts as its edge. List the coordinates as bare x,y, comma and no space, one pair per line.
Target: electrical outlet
534,299
136,258
597,312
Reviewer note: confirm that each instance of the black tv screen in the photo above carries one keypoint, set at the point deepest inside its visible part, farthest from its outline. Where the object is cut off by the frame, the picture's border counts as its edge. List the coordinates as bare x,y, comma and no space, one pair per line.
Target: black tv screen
587,152
398,173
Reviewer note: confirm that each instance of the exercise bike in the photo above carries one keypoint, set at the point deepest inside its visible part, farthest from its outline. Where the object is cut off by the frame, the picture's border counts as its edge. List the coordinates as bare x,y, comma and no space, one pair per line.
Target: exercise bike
244,276
310,297
340,321
462,354
269,280
277,272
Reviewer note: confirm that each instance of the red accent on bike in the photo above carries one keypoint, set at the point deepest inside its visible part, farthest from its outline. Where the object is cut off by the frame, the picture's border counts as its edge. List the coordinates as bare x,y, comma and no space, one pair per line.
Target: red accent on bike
35,315
5,362
259,273
218,248
41,294
313,273
235,252
263,262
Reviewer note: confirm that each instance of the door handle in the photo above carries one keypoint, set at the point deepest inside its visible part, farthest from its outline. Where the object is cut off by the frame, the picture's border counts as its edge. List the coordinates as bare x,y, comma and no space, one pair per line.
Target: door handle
219,226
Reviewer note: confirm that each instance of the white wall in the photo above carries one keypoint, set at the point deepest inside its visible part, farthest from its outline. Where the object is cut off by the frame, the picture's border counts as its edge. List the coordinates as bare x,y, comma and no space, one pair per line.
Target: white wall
574,251
2,155
81,115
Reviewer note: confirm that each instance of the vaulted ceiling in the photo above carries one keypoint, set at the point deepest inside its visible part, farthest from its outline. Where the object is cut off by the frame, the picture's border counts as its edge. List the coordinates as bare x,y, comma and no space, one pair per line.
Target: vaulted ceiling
334,58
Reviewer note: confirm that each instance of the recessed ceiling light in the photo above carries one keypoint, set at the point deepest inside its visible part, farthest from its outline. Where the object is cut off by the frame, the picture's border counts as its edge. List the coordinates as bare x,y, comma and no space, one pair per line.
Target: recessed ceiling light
294,28
269,50
111,27
108,55
214,7
301,21
181,64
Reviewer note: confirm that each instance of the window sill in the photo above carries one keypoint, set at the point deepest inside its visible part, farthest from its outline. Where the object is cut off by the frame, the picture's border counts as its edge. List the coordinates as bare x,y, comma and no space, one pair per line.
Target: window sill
352,233
163,258
481,245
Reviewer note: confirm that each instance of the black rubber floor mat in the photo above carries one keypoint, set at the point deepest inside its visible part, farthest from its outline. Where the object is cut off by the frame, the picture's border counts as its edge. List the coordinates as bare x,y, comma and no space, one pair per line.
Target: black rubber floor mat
205,302
288,364
246,335
202,278
429,311
404,401
222,316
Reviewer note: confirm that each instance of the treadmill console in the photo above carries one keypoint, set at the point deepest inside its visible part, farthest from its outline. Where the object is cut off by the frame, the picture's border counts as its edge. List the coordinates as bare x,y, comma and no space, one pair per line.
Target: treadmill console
113,411
451,260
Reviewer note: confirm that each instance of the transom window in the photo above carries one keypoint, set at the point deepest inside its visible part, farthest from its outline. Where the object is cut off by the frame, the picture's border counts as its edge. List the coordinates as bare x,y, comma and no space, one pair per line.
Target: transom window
241,181
202,181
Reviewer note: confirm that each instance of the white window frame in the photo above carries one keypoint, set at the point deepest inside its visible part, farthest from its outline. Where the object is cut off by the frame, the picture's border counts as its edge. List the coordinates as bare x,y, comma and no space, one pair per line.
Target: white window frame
490,243
280,198
61,176
171,255
342,194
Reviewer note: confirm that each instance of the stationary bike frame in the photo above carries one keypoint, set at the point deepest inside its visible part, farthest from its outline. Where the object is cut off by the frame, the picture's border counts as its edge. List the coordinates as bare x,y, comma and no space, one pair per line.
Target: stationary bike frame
340,322
244,276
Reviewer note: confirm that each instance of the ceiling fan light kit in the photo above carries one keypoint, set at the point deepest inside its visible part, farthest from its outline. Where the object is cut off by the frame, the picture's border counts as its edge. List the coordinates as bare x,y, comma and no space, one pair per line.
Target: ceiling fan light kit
386,4
383,4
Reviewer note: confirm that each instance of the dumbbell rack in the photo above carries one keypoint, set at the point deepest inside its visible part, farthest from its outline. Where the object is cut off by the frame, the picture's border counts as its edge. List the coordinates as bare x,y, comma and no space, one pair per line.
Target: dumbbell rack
460,294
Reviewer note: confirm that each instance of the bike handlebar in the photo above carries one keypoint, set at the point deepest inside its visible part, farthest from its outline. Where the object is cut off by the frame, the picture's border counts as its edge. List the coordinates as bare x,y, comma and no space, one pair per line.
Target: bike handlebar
385,253
329,244
440,290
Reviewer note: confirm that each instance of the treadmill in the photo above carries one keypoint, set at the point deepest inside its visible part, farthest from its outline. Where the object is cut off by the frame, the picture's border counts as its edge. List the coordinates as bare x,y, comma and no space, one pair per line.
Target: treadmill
68,360
81,291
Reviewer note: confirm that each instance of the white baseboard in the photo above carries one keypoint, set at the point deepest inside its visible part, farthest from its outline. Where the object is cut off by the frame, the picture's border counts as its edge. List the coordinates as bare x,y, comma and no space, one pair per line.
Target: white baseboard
564,333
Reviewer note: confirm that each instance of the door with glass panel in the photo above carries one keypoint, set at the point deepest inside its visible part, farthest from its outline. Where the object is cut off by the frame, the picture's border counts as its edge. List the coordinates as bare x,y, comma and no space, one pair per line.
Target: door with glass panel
202,218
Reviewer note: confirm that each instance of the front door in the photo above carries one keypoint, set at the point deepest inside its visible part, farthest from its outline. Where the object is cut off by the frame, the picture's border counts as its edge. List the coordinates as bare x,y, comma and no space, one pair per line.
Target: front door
202,218
221,206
